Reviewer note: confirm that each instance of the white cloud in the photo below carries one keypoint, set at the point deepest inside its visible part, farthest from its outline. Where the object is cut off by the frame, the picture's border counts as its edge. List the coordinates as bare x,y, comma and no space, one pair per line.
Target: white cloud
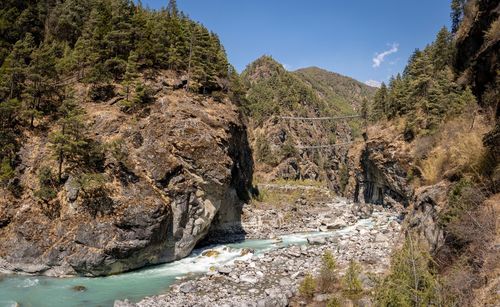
373,83
379,57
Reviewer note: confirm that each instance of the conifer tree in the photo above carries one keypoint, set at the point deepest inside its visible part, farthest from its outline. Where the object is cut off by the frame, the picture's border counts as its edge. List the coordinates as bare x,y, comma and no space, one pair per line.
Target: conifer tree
15,67
172,8
457,11
130,74
68,142
411,281
379,102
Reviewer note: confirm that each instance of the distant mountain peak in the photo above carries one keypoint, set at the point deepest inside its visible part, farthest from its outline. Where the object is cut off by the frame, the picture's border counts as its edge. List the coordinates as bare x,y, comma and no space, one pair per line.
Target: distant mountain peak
263,68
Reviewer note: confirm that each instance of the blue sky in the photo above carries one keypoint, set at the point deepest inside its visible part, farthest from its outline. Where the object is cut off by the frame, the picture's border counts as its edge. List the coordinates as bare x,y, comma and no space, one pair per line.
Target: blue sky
363,39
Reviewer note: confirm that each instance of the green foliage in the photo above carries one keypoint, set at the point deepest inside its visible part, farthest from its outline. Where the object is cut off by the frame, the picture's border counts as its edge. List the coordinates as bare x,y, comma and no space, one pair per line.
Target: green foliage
333,302
6,170
307,286
344,177
47,185
328,274
143,94
263,151
351,282
68,144
9,136
340,93
95,194
100,42
463,200
426,92
288,150
91,183
411,280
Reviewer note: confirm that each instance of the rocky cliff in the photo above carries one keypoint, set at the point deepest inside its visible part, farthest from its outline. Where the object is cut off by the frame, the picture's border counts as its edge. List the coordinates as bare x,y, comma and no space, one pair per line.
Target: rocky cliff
382,171
185,168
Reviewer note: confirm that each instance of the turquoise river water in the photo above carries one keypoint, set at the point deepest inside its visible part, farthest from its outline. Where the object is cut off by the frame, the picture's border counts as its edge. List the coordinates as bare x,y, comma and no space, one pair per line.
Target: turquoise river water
31,291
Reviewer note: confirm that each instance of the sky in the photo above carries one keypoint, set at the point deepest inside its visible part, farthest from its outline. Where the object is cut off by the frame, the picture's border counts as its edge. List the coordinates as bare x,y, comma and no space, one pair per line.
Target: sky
369,40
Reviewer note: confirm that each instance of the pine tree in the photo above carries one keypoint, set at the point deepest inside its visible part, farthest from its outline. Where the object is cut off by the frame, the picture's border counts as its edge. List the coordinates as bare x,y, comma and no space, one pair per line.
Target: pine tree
172,8
40,79
442,50
457,11
14,69
411,281
68,143
351,282
130,74
379,102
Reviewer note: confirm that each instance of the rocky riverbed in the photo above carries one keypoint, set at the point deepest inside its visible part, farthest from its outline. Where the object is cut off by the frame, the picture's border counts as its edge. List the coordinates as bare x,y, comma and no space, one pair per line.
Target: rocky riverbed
365,233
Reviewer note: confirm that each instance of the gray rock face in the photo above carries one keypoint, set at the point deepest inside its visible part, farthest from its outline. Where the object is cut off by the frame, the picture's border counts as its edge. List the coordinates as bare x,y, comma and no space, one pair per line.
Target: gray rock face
186,173
381,176
423,217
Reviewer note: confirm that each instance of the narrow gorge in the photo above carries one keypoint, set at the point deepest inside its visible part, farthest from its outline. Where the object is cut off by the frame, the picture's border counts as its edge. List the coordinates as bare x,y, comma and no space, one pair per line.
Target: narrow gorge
139,167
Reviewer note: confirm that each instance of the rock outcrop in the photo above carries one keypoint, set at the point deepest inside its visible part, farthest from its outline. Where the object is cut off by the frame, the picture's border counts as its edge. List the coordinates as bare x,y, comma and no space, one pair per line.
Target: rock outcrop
186,172
381,174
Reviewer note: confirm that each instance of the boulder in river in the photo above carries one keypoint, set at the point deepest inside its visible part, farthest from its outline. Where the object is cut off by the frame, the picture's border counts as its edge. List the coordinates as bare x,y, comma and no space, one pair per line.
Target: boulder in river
316,241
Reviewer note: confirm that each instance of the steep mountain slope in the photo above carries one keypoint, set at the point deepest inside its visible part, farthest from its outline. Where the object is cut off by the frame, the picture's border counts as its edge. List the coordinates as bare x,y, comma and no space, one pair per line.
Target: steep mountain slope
433,150
344,94
120,146
282,146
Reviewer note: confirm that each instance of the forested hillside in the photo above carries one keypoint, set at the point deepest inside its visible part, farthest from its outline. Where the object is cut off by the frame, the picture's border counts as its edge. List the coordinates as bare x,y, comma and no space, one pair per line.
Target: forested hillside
344,94
47,46
282,146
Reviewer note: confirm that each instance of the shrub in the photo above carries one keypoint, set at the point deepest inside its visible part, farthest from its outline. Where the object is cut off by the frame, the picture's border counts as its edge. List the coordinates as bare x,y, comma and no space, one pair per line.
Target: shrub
307,286
288,150
333,302
95,194
47,185
144,94
264,152
6,170
102,92
328,274
411,281
462,197
351,283
344,177
493,34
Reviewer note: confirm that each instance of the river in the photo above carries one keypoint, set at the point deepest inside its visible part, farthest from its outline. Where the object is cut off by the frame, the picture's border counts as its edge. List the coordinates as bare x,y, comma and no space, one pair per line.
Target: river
28,291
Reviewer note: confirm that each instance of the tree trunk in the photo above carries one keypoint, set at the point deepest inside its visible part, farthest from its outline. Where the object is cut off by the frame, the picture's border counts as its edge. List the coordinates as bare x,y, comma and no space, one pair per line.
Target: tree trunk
60,160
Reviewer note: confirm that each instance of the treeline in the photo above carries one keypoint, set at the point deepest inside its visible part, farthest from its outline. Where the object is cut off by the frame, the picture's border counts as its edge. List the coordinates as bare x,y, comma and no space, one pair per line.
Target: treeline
427,91
47,46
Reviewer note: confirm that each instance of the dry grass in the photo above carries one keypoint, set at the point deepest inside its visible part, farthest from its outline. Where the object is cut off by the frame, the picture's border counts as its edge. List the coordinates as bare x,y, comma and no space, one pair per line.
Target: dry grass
470,12
493,33
455,150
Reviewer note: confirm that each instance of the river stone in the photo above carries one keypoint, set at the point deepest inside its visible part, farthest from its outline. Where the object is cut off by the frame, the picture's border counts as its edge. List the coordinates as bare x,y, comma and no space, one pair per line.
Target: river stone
224,270
337,224
187,287
79,288
316,241
248,279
